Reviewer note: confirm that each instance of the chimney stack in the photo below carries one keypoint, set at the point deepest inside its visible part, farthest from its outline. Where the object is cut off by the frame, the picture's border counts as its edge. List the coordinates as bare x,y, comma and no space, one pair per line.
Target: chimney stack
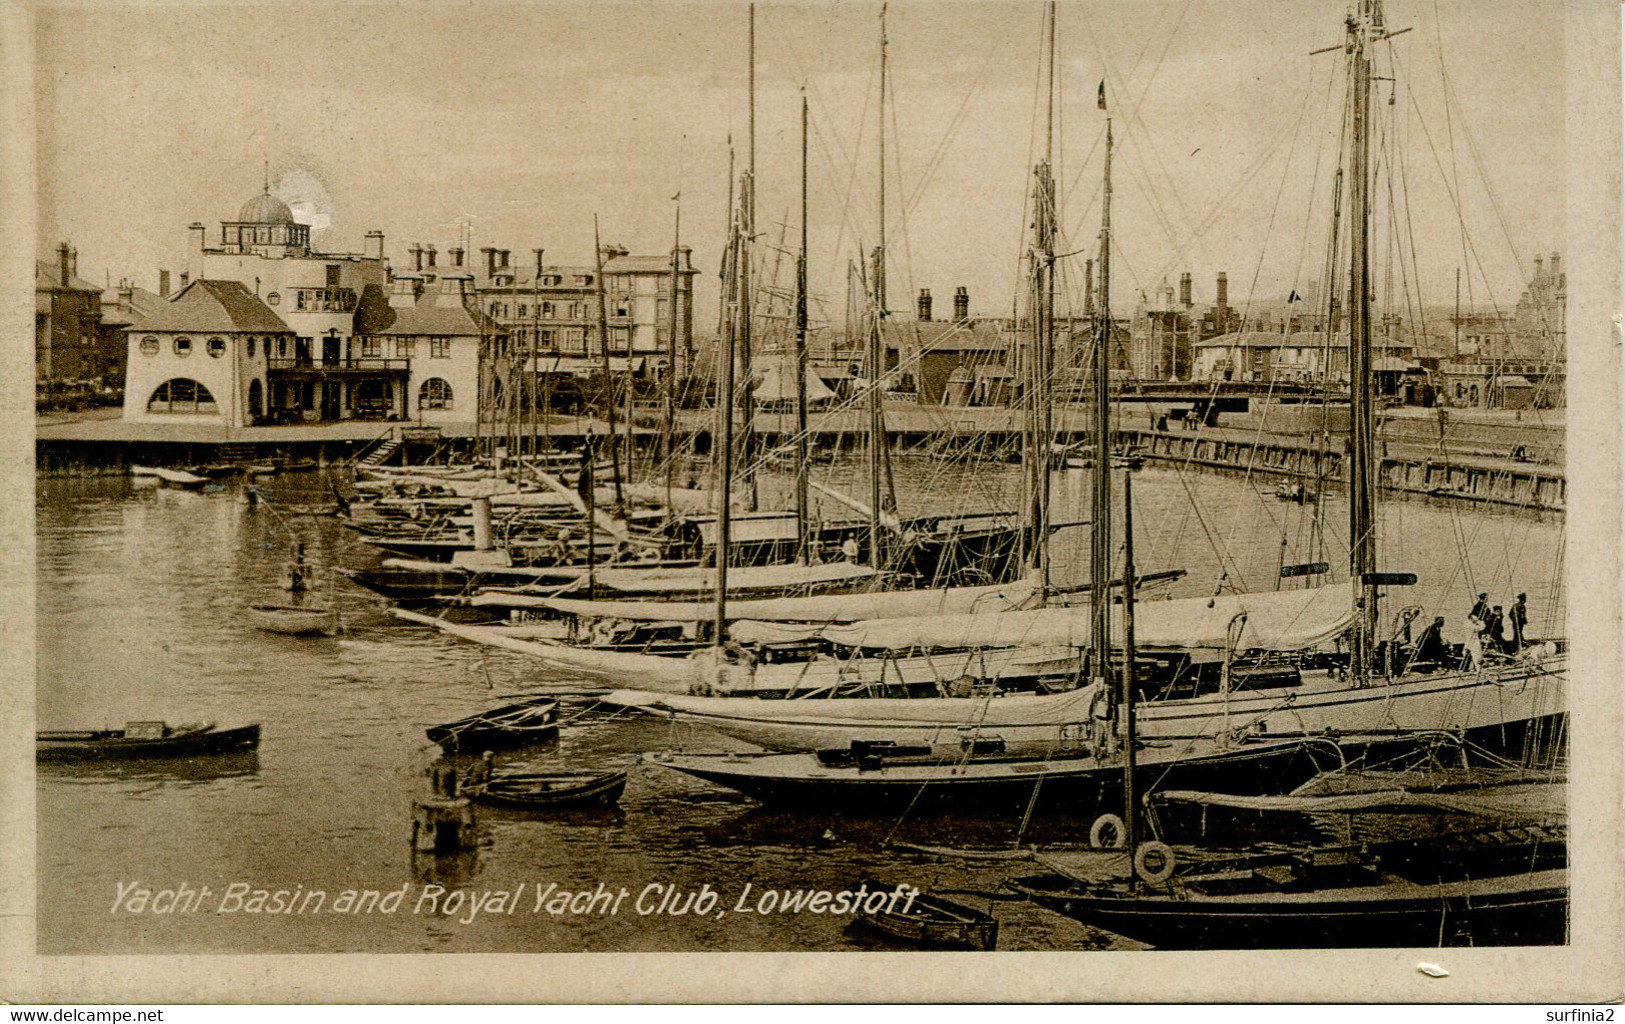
538,253
1556,264
417,257
63,266
1185,290
186,279
429,251
456,255
163,284
925,305
490,259
196,228
1222,299
1167,296
507,255
375,245
73,262
961,305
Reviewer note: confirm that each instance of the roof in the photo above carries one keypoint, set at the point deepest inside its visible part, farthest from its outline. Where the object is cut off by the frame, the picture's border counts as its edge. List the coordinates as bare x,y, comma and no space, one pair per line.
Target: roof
948,336
428,316
48,275
205,305
265,209
116,311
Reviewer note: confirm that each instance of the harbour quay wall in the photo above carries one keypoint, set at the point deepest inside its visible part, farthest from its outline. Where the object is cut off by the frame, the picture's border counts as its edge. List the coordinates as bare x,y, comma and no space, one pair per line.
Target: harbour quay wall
1502,481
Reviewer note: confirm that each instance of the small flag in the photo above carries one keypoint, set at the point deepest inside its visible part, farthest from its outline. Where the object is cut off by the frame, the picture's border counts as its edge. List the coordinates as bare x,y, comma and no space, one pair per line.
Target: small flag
1102,97
1293,297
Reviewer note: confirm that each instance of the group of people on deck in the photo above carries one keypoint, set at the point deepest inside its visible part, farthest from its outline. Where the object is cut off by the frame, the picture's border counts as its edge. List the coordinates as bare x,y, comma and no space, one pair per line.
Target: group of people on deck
1494,632
1498,632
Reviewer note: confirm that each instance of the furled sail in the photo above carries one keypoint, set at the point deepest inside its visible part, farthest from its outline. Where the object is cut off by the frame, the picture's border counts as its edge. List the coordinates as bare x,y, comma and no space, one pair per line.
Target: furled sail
821,609
1282,620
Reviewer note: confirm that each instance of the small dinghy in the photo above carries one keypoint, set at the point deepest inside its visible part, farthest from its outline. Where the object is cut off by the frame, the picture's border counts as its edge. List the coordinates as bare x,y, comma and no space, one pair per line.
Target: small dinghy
546,790
293,620
931,920
179,478
512,725
143,739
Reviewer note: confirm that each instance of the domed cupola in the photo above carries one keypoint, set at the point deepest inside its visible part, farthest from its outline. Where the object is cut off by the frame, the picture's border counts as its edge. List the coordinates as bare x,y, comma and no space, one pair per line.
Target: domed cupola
265,209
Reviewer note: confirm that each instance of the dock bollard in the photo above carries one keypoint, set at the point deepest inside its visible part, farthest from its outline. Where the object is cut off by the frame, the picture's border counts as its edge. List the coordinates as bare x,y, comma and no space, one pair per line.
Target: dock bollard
444,823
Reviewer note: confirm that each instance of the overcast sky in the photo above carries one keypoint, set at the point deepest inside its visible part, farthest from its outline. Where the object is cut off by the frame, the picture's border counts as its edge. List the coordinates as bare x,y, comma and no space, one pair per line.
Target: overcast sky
519,122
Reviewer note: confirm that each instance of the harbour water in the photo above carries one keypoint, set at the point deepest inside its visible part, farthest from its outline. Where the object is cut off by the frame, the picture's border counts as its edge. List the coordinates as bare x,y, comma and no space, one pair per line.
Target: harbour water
140,599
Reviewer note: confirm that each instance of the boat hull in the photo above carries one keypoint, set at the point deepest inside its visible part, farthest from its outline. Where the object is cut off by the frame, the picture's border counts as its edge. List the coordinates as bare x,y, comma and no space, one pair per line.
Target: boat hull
1490,705
514,725
291,621
192,744
599,791
1531,910
1078,785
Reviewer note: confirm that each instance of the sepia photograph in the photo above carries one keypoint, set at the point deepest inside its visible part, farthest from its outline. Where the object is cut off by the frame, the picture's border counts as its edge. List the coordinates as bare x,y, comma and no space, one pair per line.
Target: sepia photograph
818,477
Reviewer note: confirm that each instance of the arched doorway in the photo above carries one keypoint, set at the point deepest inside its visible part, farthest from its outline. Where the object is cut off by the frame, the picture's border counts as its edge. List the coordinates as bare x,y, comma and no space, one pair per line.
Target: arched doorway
256,400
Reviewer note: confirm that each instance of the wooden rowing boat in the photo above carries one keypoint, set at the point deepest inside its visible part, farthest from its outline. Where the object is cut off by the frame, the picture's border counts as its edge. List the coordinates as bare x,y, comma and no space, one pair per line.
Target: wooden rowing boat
512,725
293,620
179,478
546,790
143,739
926,919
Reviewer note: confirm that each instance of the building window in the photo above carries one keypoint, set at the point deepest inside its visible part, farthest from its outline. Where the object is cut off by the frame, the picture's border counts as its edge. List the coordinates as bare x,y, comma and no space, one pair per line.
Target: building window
149,346
440,348
251,346
181,395
216,347
404,347
282,348
545,339
183,346
553,279
623,307
435,394
274,298
371,348
522,310
547,309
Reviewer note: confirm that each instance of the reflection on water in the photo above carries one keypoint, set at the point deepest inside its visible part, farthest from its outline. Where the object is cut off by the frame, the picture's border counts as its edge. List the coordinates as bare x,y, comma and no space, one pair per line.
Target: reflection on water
140,598
178,772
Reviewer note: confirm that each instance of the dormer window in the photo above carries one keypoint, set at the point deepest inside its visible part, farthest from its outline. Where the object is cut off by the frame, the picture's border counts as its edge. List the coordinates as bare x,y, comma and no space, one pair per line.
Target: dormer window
584,280
183,346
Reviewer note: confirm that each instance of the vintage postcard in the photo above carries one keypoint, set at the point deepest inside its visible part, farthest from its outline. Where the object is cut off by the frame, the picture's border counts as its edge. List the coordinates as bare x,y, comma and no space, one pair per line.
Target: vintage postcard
889,488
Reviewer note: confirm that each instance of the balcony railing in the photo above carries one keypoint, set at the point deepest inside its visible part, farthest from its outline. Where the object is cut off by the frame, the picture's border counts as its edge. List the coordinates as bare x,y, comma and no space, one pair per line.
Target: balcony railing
341,365
324,300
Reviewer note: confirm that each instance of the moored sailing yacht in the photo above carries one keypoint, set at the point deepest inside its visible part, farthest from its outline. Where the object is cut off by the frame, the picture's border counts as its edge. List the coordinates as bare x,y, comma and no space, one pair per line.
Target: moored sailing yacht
1251,689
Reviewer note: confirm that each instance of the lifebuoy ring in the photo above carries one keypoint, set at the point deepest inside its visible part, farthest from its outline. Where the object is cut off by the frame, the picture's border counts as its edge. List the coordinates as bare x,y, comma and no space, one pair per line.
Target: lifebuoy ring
1154,862
1108,833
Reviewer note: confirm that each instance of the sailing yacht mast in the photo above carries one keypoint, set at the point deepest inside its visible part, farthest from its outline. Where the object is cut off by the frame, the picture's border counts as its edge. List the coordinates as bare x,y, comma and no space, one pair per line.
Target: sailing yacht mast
1101,517
1364,28
725,414
747,243
876,338
609,376
671,353
803,456
1040,429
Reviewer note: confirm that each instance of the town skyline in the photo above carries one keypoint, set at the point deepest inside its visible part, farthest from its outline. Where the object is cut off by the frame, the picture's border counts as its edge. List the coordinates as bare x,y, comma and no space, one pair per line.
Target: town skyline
1214,164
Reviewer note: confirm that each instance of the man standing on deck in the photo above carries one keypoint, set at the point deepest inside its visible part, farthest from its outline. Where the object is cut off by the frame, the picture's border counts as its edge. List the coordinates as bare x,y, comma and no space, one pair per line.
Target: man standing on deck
1518,616
1481,612
1430,647
1496,628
